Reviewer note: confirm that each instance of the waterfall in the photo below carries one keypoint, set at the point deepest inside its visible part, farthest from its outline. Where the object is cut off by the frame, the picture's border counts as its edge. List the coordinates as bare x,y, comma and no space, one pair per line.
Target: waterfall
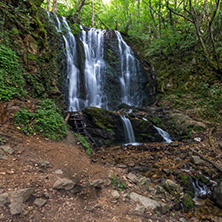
93,86
128,130
129,73
73,74
164,134
93,43
72,70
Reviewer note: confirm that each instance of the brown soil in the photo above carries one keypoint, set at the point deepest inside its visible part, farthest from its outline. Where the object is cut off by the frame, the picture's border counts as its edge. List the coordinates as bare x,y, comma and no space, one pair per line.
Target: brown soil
21,170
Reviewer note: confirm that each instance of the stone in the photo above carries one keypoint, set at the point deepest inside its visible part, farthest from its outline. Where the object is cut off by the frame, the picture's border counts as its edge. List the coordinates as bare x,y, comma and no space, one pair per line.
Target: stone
115,194
143,180
64,184
172,187
174,144
182,219
17,198
58,171
40,202
146,201
188,203
196,160
197,139
132,177
4,199
140,208
220,144
7,149
96,183
3,156
167,172
44,164
216,195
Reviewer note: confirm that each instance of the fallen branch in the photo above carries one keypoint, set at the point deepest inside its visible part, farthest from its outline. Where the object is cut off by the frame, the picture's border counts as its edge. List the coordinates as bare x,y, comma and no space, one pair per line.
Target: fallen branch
206,159
147,216
210,138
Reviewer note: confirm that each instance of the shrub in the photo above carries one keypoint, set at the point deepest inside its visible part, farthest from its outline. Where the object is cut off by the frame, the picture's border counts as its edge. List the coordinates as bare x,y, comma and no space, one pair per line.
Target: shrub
45,120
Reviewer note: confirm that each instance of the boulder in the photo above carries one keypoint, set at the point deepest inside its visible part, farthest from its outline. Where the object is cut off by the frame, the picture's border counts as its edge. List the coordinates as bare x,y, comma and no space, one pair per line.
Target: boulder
64,184
16,199
148,202
216,195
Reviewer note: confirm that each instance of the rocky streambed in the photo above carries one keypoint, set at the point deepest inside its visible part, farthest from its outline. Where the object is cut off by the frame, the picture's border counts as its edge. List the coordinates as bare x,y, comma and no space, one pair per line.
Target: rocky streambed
179,173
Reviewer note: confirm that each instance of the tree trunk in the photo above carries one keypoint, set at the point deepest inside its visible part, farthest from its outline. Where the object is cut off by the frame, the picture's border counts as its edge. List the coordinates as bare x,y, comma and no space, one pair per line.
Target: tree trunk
48,5
54,6
76,15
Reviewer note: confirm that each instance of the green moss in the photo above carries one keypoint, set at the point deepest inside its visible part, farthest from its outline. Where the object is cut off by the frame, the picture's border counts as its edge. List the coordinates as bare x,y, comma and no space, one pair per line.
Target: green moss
188,202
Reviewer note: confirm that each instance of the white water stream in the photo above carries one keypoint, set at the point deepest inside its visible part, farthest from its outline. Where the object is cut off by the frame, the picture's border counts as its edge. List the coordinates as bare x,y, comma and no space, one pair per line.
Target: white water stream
128,130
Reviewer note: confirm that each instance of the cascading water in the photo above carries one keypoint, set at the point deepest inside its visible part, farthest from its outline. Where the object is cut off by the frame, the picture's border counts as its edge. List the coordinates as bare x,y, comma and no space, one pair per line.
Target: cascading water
93,43
129,73
164,134
72,70
73,78
128,130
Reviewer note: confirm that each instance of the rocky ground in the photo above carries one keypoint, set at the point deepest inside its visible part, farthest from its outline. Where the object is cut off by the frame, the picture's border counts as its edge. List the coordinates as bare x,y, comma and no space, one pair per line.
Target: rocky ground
43,180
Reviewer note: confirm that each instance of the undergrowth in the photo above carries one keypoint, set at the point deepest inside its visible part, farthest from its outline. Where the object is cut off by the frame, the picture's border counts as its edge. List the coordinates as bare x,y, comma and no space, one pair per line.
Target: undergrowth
44,120
11,79
83,140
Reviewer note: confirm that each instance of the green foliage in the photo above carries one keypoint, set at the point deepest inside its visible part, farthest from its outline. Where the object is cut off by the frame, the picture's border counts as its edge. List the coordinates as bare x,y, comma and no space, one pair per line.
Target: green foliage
2,141
11,79
83,140
45,120
118,183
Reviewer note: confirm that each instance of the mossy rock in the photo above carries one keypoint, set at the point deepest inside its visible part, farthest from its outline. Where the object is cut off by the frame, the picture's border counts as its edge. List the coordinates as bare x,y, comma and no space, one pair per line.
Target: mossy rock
188,203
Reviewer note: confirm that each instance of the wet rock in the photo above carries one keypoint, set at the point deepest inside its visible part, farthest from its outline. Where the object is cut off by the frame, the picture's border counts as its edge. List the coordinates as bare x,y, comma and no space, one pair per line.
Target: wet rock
167,172
115,194
64,184
40,202
146,201
197,139
217,195
132,177
3,156
187,202
174,144
7,149
196,160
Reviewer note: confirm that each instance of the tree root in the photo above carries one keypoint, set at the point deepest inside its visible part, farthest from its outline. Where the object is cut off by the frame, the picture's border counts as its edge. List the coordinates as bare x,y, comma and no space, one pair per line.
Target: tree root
206,159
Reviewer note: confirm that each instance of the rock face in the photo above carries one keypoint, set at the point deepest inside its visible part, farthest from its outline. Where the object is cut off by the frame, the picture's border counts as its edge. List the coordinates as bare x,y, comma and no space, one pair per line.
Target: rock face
217,195
106,127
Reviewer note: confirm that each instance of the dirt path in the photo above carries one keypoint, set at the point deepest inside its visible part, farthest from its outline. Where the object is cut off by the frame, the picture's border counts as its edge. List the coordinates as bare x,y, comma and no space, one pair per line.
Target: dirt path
23,169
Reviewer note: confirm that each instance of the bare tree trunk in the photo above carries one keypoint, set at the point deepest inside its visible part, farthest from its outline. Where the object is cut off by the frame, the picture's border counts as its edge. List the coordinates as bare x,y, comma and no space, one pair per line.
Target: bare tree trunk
54,6
76,15
48,4
154,21
93,13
